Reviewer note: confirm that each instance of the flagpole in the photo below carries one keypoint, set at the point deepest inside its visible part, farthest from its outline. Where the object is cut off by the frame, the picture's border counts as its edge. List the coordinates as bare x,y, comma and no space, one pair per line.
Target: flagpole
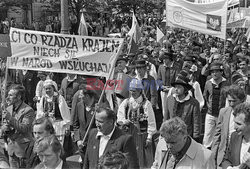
5,89
225,40
100,99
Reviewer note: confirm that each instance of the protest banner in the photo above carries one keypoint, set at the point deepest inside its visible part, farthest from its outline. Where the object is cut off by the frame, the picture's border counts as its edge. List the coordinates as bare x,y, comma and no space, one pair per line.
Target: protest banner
209,18
230,2
43,51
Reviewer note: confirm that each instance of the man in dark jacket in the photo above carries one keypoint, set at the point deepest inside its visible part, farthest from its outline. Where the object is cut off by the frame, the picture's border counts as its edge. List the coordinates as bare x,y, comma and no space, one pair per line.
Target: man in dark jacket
108,138
18,118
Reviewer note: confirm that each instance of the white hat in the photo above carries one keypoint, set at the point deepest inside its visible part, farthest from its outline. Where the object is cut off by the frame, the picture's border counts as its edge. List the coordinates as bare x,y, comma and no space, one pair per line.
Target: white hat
50,82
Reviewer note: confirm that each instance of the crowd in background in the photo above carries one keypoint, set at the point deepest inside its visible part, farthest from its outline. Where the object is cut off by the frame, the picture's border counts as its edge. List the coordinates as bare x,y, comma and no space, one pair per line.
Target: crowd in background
186,104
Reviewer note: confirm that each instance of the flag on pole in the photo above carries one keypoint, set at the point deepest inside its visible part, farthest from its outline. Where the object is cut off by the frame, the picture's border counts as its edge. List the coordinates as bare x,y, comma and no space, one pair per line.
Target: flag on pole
133,47
135,31
135,36
209,18
82,29
159,34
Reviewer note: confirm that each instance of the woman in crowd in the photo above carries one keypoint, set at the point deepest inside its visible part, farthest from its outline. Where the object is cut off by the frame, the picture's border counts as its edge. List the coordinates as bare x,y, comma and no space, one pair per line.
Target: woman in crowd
53,105
136,116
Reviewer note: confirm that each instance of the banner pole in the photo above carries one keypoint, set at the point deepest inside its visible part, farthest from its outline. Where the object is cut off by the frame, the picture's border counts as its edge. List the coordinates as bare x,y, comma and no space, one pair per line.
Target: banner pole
225,40
102,94
5,89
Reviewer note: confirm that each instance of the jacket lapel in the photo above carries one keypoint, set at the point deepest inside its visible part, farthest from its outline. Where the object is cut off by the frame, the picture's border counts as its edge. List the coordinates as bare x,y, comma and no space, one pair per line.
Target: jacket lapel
238,142
164,155
10,109
111,142
227,123
96,143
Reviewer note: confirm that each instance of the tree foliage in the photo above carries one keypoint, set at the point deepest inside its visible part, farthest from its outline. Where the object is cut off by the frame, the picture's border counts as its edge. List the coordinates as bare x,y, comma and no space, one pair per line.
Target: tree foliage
89,6
8,4
127,6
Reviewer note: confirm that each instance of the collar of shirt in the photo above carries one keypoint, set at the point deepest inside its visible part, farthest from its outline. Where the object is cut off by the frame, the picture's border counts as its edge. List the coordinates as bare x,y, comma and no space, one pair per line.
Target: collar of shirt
183,150
125,70
60,165
17,107
168,66
183,100
145,76
213,81
70,80
100,134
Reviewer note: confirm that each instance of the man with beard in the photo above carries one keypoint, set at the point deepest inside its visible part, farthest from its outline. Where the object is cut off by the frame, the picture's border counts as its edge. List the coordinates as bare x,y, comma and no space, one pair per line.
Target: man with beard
18,118
108,138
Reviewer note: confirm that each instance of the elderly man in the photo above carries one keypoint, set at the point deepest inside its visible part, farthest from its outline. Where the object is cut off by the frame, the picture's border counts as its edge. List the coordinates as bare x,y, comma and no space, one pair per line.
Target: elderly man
180,150
18,119
108,138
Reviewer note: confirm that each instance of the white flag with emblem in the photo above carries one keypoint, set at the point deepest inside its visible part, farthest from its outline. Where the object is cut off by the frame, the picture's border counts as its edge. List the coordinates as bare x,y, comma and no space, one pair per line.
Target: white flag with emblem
208,18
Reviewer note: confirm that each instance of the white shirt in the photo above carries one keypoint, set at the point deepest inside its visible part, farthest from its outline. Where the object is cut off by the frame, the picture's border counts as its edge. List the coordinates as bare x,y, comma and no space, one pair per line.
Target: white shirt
60,165
148,110
104,141
231,125
244,149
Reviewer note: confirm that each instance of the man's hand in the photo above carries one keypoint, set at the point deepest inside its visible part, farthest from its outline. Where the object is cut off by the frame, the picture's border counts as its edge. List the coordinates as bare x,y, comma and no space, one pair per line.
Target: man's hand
246,159
165,88
80,144
148,142
6,115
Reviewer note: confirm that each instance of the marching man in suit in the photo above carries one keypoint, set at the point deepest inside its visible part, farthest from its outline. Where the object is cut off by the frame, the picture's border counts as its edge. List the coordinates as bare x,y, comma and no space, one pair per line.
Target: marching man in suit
108,138
225,123
49,150
237,155
17,129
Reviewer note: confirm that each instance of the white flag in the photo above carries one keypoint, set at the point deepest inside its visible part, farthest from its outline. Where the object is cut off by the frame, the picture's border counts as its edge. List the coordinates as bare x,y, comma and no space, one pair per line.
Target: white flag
135,31
159,34
209,18
82,29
